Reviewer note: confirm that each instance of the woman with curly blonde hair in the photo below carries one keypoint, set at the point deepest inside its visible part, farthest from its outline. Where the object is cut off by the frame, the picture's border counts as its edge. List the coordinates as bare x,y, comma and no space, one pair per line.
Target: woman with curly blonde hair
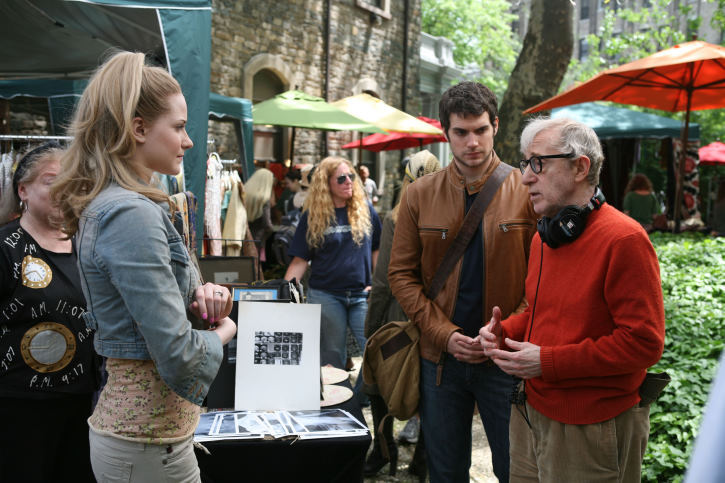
339,234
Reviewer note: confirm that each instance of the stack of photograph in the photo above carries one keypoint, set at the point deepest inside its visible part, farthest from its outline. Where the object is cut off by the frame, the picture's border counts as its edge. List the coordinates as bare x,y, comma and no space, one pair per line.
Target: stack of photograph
326,423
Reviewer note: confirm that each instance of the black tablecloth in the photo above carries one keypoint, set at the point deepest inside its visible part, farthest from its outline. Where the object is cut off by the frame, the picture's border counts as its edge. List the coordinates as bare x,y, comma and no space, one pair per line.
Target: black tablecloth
316,460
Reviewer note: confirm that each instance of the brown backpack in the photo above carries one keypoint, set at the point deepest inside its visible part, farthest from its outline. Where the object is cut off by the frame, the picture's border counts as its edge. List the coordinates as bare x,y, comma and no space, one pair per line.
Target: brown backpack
391,367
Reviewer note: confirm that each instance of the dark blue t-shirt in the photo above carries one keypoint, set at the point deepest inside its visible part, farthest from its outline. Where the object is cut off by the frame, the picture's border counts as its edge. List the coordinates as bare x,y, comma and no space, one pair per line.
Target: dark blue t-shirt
339,264
469,304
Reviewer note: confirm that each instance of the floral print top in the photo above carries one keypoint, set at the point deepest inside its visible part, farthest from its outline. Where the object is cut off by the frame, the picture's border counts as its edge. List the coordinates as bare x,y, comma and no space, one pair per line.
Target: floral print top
137,405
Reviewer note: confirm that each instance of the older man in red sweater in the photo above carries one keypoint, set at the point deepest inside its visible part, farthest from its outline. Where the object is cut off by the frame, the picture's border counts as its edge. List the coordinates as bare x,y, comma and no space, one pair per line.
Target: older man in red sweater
594,324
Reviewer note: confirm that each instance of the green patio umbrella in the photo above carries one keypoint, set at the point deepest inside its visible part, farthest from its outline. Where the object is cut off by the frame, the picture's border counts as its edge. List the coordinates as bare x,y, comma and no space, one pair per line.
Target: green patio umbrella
297,109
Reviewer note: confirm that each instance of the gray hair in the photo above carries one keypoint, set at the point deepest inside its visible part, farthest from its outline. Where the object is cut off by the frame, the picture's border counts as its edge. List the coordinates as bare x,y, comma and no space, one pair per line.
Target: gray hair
574,136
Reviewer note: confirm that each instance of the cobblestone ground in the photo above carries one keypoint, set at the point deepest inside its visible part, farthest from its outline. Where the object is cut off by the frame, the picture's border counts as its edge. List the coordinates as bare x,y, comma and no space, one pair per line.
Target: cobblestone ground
481,470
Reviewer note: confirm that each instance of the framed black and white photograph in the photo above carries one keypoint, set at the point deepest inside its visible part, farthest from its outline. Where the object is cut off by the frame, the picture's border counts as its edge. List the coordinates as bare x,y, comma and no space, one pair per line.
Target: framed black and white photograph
278,357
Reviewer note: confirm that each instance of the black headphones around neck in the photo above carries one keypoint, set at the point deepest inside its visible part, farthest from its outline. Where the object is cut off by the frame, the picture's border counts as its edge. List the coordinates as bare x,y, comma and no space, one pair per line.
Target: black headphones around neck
569,223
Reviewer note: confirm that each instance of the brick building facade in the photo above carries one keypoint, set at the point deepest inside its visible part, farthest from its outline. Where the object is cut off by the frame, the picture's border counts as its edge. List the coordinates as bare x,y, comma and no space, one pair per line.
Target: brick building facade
260,49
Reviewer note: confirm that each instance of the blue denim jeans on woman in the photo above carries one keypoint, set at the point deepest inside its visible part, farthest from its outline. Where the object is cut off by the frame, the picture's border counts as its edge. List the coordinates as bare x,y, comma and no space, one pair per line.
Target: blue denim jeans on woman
340,310
446,411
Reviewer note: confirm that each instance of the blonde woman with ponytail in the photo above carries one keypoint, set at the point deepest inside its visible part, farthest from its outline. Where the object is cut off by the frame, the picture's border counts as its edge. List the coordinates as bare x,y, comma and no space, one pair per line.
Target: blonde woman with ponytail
339,235
144,296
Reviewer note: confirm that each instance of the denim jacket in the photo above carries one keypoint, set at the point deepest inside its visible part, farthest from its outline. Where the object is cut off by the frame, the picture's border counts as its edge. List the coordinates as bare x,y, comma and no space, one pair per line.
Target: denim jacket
138,280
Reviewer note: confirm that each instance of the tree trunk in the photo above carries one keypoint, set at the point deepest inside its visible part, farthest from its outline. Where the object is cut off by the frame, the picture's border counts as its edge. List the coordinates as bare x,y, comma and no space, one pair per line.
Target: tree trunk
539,70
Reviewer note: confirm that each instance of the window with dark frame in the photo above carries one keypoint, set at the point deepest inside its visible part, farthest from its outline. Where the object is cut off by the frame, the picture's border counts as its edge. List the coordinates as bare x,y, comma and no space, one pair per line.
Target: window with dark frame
583,48
381,8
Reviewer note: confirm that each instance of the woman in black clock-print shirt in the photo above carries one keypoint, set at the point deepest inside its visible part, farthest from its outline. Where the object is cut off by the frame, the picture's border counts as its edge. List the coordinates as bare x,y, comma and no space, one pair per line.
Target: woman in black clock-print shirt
48,370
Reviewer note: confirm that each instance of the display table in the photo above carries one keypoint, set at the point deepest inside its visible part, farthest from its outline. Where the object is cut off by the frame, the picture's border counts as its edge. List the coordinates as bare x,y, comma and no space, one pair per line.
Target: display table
313,460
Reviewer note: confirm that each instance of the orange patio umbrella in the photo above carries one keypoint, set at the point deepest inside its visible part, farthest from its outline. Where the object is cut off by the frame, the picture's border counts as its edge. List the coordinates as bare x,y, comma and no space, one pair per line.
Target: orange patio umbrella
687,77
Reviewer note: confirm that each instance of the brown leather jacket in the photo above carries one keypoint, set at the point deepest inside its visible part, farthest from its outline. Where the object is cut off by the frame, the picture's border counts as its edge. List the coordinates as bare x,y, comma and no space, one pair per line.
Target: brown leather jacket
431,213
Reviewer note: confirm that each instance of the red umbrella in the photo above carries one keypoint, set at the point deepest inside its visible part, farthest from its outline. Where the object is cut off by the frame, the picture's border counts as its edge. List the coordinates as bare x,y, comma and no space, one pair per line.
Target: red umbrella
712,155
686,77
398,140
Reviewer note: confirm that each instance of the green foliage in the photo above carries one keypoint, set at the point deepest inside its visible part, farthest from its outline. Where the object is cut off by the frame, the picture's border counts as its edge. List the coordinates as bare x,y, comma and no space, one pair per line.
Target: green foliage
692,267
718,18
712,125
481,33
614,44
655,28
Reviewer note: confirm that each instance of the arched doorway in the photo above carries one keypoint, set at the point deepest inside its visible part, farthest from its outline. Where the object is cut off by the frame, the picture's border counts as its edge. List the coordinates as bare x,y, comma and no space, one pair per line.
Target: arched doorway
265,76
268,140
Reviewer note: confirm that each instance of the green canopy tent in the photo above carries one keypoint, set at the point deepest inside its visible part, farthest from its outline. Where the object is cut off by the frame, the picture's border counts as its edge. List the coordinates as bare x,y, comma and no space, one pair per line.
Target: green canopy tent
296,109
238,111
62,95
618,122
68,39
619,128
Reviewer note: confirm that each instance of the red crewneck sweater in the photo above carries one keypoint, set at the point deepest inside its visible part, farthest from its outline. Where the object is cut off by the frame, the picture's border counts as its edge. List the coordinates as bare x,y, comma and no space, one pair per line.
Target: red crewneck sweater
599,319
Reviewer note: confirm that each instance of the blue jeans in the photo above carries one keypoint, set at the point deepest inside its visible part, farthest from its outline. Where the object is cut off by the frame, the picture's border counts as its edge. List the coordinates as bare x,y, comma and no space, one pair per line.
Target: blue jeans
446,411
340,310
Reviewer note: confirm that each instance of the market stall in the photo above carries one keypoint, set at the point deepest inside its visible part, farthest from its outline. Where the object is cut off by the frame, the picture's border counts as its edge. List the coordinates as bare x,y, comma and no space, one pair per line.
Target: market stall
51,39
239,112
621,131
51,47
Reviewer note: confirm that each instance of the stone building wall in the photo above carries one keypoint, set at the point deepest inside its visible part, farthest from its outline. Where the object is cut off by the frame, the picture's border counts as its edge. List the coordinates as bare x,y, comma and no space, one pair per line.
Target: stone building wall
288,38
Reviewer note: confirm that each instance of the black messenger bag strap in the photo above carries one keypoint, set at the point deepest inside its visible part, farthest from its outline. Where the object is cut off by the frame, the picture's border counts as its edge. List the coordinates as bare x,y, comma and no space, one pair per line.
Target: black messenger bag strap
468,228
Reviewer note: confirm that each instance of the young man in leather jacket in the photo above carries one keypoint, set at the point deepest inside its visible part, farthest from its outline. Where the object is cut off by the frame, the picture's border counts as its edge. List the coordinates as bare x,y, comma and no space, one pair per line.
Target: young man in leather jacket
455,374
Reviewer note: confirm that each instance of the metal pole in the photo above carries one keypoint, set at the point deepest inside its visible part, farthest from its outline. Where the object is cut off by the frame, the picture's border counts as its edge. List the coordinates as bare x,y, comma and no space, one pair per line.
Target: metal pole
681,169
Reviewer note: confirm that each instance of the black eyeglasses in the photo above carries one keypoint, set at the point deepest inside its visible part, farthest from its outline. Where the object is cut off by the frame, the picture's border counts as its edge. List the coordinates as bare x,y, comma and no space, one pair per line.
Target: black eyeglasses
536,161
341,179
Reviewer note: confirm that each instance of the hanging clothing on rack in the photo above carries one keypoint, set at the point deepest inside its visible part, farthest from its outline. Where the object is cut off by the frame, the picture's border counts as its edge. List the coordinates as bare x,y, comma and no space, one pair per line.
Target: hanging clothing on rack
229,177
6,174
226,197
213,202
179,211
192,204
171,184
235,224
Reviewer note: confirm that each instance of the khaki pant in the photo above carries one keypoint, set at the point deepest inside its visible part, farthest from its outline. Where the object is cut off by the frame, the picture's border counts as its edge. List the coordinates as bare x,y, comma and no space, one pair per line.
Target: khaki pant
551,451
118,460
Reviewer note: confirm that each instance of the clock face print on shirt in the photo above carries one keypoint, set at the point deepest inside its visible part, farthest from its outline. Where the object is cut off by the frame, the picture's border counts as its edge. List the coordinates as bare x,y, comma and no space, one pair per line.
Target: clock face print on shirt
48,347
36,273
